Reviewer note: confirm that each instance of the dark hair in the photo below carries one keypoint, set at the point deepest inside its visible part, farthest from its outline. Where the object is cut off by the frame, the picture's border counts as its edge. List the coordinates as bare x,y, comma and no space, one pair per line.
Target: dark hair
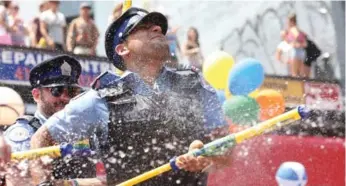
6,3
196,32
292,18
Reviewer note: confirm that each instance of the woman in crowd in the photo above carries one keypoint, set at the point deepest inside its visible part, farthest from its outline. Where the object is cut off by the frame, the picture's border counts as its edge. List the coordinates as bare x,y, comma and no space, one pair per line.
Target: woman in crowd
283,51
191,49
18,30
297,39
36,34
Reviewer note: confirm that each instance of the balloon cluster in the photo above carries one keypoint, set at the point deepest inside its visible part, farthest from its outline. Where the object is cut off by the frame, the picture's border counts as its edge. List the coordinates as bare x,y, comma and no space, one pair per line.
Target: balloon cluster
238,89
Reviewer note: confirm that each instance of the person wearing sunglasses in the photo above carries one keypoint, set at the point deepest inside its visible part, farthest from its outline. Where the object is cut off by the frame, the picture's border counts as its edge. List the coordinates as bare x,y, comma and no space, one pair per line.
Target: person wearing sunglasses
54,83
145,116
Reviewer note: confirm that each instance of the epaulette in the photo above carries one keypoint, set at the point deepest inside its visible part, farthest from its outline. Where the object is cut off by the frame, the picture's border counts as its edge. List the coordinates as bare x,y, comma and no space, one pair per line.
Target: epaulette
192,71
103,80
32,121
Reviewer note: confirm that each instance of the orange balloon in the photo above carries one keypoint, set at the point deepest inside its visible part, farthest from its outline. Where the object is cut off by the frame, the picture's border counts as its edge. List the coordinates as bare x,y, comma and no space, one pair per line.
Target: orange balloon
234,128
271,102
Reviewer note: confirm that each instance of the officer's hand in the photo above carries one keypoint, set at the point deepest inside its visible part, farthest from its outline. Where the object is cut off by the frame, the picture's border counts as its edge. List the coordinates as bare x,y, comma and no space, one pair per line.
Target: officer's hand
190,163
205,164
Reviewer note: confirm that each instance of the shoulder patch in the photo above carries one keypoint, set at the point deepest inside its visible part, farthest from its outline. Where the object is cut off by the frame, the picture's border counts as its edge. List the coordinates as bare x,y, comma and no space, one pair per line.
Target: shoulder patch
18,134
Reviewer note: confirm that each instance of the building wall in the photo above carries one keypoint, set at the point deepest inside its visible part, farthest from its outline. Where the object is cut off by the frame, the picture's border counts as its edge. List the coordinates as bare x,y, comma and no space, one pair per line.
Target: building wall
252,29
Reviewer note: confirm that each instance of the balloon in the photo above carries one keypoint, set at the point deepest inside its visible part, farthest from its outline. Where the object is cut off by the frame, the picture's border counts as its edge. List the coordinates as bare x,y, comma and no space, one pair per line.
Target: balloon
216,69
271,102
221,95
245,77
241,109
234,128
228,95
11,106
254,93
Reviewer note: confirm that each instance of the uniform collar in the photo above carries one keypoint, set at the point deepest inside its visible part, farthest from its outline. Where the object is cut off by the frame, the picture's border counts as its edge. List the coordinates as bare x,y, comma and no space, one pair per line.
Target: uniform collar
140,86
40,117
129,73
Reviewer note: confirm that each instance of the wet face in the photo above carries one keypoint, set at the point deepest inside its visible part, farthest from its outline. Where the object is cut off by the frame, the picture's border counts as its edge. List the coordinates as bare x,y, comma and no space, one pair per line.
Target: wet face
52,100
147,40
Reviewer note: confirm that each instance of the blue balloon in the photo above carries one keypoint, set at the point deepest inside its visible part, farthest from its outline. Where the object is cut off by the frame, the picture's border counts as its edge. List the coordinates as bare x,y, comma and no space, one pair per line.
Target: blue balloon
221,96
245,77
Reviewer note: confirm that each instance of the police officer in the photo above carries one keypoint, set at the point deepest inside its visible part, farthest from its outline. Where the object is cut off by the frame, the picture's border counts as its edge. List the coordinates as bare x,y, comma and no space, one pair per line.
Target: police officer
145,116
54,82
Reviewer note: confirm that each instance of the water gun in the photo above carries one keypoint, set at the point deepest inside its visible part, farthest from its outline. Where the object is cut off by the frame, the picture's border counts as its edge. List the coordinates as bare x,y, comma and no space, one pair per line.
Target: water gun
221,145
80,148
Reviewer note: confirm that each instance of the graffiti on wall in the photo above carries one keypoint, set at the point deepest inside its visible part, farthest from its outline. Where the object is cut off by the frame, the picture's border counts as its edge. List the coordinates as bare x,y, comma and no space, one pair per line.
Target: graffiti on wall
260,36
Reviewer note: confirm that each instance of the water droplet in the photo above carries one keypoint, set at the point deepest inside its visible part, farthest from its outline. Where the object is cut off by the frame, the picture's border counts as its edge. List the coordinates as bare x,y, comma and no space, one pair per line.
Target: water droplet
146,149
121,154
112,160
153,141
269,140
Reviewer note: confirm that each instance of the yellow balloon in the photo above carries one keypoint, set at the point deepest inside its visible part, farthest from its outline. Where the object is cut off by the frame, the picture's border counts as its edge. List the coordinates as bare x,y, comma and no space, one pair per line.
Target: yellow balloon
227,92
216,69
254,93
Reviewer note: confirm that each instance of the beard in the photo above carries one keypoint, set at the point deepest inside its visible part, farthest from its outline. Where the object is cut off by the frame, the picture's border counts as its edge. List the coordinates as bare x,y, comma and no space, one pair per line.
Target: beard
158,49
49,108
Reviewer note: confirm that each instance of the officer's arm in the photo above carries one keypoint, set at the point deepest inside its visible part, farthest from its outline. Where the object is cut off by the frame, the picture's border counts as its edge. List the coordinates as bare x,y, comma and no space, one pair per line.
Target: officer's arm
77,121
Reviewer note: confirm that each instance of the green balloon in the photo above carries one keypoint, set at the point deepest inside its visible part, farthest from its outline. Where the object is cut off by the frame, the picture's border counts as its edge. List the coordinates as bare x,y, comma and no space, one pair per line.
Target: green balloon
241,109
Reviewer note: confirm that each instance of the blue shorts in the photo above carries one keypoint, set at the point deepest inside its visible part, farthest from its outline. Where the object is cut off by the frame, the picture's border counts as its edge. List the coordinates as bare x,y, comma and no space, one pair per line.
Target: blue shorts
298,53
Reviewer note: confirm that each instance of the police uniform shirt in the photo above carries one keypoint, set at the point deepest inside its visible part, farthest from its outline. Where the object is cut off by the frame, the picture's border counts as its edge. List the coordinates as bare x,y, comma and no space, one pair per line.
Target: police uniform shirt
88,113
19,134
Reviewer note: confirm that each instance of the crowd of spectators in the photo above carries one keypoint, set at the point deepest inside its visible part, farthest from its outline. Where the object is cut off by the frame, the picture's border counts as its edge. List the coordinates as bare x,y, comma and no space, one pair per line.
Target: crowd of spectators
50,30
296,49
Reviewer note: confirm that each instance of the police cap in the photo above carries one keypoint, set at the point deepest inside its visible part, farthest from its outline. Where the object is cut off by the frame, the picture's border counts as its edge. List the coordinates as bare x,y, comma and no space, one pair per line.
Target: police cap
122,27
62,70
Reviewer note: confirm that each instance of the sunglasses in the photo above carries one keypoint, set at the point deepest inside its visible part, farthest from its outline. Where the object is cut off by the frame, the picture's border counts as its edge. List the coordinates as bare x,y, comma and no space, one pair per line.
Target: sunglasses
59,90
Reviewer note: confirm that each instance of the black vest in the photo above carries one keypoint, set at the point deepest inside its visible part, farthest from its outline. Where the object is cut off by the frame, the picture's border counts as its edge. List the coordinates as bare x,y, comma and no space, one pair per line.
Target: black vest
147,131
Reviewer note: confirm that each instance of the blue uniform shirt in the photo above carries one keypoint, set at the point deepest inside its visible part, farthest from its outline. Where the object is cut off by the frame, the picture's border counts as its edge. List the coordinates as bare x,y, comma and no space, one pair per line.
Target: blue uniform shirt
88,113
19,134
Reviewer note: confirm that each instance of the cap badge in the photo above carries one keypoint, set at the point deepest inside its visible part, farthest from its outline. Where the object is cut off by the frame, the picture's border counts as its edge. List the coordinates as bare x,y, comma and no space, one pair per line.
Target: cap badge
65,69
